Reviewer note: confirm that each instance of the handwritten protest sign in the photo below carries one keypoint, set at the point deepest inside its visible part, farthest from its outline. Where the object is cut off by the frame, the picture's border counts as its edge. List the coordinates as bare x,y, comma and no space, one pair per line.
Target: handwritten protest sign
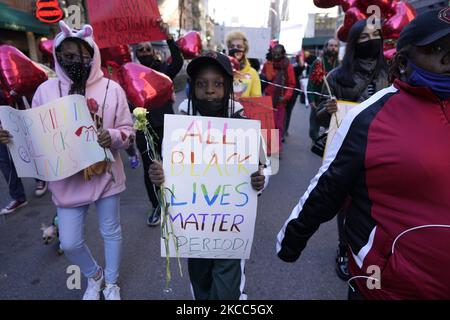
53,141
118,22
260,108
207,164
336,119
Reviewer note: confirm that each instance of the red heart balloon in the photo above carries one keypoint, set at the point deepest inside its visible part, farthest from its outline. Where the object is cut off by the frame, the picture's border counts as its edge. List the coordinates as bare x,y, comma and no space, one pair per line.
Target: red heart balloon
19,75
342,33
347,4
389,54
403,15
190,45
115,56
351,17
46,47
385,5
145,87
327,3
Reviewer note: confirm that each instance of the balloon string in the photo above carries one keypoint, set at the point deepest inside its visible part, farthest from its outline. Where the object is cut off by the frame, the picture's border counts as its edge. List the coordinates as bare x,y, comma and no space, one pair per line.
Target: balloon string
296,89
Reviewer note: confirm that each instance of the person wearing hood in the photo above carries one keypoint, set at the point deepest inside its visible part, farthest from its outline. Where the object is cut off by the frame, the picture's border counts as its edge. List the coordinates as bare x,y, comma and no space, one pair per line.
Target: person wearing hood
77,64
147,56
246,80
211,77
391,156
363,72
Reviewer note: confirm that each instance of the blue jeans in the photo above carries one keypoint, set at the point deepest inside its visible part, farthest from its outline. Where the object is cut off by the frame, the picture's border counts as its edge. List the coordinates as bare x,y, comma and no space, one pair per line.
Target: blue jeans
71,235
16,190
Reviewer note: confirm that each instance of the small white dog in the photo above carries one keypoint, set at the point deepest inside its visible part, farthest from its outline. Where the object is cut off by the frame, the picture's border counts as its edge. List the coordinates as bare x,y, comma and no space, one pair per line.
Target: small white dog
50,234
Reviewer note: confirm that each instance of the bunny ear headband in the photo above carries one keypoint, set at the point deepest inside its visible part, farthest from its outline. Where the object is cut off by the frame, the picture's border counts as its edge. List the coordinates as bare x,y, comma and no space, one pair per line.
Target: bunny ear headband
86,33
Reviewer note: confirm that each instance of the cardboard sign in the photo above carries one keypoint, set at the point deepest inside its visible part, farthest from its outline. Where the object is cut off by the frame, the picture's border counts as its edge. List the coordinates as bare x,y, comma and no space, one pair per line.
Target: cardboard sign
260,108
118,22
54,141
336,119
207,166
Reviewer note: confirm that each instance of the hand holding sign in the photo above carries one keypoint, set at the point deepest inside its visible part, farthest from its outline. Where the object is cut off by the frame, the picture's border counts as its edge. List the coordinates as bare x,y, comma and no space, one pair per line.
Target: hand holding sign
331,106
5,137
165,29
104,138
258,179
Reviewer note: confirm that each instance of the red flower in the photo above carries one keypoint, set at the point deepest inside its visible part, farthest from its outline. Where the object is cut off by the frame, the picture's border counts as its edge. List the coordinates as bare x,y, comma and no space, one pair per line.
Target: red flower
92,105
318,73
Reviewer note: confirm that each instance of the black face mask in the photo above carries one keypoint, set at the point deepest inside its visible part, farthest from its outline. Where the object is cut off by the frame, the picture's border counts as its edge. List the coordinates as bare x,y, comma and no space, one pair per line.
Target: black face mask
233,52
78,72
369,49
150,62
210,108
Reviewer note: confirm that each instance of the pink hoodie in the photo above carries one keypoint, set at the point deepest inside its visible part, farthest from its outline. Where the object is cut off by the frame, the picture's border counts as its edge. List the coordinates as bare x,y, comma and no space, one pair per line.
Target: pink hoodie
75,191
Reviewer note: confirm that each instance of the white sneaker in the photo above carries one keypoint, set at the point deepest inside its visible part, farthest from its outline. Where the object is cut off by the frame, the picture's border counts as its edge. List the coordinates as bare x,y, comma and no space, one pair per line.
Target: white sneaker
112,292
93,289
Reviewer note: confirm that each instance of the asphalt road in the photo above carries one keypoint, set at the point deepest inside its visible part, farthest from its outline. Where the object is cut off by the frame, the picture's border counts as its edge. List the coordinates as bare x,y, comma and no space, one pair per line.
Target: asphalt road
31,270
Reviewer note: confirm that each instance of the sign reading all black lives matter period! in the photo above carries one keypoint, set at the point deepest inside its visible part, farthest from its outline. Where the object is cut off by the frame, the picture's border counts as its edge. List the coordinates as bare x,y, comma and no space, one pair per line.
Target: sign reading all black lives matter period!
207,166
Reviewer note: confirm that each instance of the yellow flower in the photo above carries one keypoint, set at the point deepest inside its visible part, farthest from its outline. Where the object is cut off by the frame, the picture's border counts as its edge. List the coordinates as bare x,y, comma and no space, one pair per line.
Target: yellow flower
140,113
141,118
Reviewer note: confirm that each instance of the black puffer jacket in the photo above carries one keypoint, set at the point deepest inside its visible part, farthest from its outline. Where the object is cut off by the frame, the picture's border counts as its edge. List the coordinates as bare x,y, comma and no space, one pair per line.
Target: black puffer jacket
364,76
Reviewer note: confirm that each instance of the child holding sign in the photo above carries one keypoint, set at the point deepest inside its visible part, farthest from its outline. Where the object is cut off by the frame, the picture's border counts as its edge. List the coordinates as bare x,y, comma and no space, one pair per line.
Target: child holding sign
211,77
77,62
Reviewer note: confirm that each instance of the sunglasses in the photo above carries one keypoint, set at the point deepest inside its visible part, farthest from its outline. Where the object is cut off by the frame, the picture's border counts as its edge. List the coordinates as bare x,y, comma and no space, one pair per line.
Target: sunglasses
144,49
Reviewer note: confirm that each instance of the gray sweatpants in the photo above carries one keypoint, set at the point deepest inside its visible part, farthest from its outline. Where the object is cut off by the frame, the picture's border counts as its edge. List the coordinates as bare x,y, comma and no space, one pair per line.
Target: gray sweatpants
217,279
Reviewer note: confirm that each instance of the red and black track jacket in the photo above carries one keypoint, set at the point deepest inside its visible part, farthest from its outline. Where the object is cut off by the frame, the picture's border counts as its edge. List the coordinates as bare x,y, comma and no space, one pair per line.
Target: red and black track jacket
391,155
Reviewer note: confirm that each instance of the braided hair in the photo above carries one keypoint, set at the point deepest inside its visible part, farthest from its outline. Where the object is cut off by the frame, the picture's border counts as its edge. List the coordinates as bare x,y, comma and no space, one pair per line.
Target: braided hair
228,97
394,64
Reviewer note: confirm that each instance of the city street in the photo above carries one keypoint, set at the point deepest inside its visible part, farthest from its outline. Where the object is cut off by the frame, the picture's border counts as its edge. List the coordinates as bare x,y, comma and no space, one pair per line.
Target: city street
31,270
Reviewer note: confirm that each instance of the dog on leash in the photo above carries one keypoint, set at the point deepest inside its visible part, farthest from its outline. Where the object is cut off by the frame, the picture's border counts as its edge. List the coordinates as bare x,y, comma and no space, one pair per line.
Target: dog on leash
51,233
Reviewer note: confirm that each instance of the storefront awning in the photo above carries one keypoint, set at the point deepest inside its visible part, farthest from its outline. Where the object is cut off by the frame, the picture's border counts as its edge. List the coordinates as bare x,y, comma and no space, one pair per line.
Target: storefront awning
21,21
315,42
